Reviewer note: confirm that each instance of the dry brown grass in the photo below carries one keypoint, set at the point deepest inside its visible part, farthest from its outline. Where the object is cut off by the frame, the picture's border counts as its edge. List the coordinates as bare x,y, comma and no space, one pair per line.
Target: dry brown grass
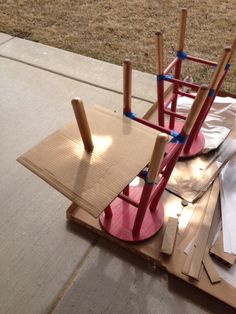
113,30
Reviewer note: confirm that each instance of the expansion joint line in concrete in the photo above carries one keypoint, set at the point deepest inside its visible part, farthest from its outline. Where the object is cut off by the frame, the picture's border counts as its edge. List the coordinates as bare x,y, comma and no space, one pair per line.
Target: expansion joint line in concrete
72,77
71,280
6,41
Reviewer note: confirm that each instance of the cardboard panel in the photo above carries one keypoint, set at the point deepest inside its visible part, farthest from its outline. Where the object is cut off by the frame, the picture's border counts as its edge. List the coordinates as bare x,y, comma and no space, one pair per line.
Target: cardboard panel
122,148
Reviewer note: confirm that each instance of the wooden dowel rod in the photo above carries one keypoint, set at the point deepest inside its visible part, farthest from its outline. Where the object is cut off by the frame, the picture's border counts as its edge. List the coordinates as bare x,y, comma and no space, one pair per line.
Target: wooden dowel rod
157,156
159,53
220,68
82,122
127,85
183,20
195,109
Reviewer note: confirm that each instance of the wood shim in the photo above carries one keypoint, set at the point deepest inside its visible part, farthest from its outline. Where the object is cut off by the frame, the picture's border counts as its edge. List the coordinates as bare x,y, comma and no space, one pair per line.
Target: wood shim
217,251
193,263
169,236
210,269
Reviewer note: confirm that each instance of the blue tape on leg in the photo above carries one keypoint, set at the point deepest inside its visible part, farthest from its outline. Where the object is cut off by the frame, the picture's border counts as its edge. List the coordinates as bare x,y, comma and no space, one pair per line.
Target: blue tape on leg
130,115
211,93
178,137
182,55
227,67
164,77
144,174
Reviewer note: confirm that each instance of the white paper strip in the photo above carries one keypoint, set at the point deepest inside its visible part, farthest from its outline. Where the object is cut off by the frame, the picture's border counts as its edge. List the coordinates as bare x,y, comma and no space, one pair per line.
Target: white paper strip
228,206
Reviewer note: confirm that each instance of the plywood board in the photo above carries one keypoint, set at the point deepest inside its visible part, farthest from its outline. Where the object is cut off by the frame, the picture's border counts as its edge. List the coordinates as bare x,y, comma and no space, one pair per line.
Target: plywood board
151,249
122,148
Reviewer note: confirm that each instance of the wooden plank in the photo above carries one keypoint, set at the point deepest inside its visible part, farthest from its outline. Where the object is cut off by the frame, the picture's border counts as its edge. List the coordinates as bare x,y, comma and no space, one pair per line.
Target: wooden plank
201,242
169,236
210,269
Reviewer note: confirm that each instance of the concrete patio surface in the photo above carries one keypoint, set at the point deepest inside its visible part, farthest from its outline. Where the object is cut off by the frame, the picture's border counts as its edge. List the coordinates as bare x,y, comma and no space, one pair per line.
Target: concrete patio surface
47,264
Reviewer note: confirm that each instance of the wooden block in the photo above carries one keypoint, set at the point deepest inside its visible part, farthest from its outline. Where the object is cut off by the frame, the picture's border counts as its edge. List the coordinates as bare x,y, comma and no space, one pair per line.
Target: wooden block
217,251
169,236
210,269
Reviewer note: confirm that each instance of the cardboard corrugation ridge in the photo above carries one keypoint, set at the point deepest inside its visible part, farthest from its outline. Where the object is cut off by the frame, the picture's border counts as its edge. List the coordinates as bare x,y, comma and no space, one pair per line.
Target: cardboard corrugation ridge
93,180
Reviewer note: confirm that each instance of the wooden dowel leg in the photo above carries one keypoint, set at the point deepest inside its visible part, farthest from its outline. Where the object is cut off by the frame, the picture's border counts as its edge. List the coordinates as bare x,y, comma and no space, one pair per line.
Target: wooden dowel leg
82,122
157,156
160,83
154,167
127,86
195,109
183,20
159,53
220,68
214,85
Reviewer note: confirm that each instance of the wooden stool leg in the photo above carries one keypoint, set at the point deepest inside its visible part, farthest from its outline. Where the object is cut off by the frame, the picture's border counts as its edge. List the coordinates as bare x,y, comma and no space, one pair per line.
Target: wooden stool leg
127,86
172,157
180,47
83,125
160,82
217,75
155,163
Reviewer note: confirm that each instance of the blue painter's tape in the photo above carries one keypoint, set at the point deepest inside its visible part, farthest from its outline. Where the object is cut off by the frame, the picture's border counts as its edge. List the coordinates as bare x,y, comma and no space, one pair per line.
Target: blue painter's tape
227,67
130,115
178,137
144,174
182,55
211,93
164,77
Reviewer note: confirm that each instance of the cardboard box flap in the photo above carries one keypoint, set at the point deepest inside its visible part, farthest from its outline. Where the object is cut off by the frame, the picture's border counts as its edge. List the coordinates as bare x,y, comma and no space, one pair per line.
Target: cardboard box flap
122,148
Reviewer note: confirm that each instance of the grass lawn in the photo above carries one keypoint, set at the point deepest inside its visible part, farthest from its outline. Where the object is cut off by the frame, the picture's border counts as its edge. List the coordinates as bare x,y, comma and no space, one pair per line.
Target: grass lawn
114,30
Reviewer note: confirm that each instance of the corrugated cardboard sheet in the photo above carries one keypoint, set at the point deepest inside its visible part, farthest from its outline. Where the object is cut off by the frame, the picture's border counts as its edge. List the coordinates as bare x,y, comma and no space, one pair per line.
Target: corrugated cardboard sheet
122,148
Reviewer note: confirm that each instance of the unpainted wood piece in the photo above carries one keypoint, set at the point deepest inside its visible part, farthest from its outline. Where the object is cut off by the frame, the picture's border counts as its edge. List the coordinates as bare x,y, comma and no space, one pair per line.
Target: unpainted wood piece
217,250
201,242
157,156
183,20
159,53
83,125
196,108
210,269
216,77
127,85
169,236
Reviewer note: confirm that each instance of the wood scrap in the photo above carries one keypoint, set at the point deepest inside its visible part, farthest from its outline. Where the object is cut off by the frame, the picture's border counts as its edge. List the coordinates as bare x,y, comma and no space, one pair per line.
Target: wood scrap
169,236
217,250
193,263
210,269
